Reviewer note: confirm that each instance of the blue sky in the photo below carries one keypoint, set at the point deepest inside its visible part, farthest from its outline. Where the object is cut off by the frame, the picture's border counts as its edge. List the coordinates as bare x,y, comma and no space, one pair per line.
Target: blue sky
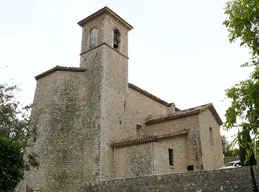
178,50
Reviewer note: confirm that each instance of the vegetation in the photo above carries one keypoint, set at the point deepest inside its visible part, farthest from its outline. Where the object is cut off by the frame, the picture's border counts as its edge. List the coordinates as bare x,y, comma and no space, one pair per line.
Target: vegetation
11,164
242,23
14,123
227,150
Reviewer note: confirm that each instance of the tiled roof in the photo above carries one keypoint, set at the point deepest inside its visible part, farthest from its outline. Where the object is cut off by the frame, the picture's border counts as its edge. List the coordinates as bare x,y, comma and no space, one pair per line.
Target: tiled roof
60,68
185,113
101,11
147,94
147,139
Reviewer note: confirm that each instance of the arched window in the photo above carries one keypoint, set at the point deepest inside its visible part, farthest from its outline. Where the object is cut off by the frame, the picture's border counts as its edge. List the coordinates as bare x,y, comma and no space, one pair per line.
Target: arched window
93,37
116,39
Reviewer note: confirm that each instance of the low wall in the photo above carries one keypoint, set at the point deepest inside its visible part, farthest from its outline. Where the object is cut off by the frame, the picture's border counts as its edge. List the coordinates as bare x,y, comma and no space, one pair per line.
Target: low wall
238,180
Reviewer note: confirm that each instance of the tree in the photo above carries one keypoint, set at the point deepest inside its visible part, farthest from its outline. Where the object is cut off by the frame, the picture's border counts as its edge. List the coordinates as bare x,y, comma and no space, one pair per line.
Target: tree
14,133
14,119
242,23
11,164
226,145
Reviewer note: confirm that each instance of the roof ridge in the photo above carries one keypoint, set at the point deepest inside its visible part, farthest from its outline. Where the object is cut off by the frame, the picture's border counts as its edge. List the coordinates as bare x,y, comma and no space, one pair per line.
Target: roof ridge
59,68
185,113
151,96
101,11
146,139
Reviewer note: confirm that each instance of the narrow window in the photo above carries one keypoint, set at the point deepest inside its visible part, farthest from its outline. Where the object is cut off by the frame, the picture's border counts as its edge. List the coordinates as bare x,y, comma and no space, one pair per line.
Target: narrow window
190,168
93,38
116,39
171,157
211,136
124,106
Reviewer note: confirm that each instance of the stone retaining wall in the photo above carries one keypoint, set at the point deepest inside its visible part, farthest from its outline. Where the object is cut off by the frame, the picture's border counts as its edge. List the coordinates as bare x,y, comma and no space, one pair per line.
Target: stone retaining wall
238,180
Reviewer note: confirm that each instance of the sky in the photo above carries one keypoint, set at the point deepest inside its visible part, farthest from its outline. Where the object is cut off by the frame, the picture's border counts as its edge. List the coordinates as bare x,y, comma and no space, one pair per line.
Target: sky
178,50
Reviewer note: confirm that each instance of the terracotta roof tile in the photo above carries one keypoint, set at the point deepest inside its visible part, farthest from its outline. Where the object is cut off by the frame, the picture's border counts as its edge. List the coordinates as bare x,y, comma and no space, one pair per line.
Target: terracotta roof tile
147,139
59,68
101,11
185,113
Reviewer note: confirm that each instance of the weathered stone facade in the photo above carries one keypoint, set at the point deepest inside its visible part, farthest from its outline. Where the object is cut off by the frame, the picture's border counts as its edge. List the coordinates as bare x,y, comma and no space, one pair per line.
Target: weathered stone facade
236,180
90,124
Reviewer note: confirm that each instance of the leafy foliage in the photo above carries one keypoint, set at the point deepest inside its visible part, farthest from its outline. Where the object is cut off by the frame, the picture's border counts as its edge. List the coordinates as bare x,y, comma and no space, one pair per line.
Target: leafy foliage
226,145
243,24
11,164
244,110
14,134
14,120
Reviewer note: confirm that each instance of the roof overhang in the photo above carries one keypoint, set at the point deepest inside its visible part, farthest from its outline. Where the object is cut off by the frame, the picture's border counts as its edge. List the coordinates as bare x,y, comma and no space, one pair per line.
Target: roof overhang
59,68
185,113
101,12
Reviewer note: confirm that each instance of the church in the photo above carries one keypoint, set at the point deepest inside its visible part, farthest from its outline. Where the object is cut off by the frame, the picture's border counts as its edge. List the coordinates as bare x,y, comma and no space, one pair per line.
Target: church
90,124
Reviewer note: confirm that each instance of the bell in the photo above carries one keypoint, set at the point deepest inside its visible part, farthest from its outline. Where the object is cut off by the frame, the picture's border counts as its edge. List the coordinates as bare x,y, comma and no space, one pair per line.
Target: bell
115,45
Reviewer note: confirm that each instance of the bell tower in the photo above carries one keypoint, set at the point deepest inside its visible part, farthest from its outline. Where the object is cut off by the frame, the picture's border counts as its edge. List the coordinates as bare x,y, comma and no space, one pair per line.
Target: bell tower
103,28
104,53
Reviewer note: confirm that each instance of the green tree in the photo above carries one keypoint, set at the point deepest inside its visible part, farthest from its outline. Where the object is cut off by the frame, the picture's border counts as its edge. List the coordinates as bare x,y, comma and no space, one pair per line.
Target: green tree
14,119
242,23
227,150
11,164
14,133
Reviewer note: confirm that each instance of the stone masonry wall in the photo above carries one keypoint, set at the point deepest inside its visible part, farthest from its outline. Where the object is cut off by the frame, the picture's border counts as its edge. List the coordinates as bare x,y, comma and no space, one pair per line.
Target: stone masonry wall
161,158
133,160
236,180
212,155
138,108
64,135
190,124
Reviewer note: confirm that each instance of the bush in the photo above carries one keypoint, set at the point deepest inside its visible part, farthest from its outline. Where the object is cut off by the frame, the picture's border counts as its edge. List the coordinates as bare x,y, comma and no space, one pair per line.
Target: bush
11,164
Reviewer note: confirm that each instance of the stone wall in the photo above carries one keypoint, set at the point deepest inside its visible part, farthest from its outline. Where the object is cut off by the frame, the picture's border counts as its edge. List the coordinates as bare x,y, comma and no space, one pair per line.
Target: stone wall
161,162
190,124
133,160
212,154
138,108
62,135
238,180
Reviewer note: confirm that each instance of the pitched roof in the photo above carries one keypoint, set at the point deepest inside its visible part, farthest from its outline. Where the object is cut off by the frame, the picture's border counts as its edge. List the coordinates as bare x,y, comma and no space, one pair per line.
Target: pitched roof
185,113
102,11
147,139
151,96
59,68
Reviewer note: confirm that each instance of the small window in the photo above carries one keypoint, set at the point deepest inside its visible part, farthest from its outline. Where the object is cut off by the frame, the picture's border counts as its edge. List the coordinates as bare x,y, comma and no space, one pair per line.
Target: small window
116,39
190,168
171,157
93,38
211,136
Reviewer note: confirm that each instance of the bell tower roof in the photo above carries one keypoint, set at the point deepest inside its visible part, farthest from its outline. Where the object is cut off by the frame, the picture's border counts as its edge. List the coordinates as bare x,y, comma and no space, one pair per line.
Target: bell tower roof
104,10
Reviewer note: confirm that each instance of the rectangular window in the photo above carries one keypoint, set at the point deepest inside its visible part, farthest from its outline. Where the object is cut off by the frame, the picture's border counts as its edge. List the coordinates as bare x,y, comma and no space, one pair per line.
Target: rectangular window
171,157
211,136
190,168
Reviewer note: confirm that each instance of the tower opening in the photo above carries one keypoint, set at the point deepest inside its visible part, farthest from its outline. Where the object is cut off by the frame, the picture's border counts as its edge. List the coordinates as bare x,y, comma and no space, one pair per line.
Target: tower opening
116,39
93,38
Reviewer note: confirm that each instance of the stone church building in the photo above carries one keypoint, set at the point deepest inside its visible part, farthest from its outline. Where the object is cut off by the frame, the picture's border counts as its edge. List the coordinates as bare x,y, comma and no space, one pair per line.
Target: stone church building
90,124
